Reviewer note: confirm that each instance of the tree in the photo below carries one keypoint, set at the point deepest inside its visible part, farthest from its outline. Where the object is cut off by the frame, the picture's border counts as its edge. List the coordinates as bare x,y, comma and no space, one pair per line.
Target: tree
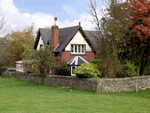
40,62
110,36
139,44
141,12
3,52
2,23
20,41
125,32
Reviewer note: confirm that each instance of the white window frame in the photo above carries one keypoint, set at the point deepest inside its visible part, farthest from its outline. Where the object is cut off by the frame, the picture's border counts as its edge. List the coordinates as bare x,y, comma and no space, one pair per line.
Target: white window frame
82,48
20,68
72,70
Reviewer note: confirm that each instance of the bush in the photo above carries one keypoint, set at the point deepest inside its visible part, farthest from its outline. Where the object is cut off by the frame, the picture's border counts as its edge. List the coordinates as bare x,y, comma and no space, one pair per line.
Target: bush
96,61
147,72
128,70
2,70
63,70
87,71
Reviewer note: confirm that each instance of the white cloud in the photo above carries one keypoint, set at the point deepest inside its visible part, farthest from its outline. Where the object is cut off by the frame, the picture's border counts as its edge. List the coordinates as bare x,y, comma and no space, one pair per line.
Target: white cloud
70,11
17,20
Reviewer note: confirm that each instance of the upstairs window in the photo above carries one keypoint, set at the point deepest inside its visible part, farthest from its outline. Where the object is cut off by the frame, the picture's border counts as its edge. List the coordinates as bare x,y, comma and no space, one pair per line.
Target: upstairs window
77,49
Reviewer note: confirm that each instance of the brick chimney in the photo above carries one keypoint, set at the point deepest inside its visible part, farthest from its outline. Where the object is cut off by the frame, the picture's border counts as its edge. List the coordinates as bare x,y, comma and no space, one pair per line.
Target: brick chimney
54,35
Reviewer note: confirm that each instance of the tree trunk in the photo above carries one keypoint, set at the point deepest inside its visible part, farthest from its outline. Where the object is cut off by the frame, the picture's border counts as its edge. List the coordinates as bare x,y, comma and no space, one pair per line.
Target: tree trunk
42,80
138,71
144,67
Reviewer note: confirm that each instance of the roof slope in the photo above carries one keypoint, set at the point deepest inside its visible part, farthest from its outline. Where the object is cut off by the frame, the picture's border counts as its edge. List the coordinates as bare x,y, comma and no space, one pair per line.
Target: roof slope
46,34
65,35
77,60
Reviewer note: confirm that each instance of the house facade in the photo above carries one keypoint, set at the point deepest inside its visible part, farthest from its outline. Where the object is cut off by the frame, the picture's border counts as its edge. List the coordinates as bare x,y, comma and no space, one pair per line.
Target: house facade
71,44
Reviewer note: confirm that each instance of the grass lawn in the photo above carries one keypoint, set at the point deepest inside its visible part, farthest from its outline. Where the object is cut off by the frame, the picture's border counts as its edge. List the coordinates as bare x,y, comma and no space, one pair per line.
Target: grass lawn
18,96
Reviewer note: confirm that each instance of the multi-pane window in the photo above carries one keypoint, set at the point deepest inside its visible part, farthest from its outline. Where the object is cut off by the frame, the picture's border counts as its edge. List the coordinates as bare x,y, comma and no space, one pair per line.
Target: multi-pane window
77,49
20,67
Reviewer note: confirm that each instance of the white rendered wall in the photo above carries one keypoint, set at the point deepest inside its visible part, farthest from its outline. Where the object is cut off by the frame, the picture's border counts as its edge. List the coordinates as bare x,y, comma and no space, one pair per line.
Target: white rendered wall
40,42
78,39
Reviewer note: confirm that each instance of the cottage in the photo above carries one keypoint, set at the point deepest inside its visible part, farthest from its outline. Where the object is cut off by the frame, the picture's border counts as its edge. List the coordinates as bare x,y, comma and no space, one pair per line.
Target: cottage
71,44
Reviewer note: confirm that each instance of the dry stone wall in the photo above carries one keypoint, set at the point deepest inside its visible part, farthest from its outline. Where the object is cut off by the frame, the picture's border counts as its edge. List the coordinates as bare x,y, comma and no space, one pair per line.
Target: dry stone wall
56,80
105,85
127,84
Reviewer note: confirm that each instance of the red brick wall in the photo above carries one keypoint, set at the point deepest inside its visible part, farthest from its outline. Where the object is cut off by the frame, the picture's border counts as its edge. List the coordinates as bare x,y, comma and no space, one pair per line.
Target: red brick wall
66,56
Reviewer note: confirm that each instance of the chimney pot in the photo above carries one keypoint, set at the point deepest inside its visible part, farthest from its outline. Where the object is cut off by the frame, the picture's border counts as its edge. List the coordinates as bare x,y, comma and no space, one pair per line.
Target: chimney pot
79,23
55,19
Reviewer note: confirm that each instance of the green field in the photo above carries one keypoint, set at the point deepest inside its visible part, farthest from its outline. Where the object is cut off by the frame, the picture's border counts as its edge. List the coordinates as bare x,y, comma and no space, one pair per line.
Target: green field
18,96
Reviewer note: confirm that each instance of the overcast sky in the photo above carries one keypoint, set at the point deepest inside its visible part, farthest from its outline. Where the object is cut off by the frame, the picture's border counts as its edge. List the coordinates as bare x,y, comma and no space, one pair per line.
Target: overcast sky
19,13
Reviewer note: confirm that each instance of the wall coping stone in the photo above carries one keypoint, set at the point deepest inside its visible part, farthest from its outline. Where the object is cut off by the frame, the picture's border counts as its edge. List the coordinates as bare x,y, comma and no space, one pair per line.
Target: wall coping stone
70,77
147,76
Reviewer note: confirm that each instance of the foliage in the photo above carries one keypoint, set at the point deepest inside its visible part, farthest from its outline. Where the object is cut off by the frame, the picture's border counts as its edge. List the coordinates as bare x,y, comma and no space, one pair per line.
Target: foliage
2,70
129,70
147,72
4,55
99,63
20,41
139,43
110,35
3,52
96,61
125,36
64,70
40,62
87,71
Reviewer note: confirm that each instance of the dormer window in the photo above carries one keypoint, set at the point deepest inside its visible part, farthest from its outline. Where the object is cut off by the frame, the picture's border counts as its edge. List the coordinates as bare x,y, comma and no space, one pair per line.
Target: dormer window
77,49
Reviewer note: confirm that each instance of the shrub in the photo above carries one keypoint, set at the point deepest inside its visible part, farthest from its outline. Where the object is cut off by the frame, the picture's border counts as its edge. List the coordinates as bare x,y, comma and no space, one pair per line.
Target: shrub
99,64
96,61
63,70
128,70
2,70
147,72
87,71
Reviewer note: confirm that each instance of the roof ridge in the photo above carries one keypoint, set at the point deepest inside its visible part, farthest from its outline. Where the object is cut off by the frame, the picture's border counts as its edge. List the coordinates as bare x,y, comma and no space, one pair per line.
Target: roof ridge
69,27
62,28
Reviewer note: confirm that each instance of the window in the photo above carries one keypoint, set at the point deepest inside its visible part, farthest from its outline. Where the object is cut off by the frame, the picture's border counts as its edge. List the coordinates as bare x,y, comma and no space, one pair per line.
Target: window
20,68
72,69
41,45
77,49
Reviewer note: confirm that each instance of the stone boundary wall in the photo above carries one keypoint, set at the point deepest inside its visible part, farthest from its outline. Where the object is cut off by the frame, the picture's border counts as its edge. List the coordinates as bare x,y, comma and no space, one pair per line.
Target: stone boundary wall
128,84
56,80
106,85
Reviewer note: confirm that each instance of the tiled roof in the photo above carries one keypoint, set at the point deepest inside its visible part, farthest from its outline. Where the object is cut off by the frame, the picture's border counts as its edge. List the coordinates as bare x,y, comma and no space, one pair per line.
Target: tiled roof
65,35
77,60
